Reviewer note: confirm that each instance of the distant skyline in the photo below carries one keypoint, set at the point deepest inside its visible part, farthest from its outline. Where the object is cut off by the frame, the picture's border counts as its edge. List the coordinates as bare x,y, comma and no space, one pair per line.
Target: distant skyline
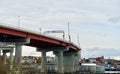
96,21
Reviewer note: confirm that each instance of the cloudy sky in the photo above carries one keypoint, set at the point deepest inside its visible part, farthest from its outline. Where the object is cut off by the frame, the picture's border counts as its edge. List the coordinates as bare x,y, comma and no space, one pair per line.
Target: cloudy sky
97,22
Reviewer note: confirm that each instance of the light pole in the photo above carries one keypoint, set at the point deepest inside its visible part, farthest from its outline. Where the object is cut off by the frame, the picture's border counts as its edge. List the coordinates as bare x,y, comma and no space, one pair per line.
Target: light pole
18,21
40,30
69,32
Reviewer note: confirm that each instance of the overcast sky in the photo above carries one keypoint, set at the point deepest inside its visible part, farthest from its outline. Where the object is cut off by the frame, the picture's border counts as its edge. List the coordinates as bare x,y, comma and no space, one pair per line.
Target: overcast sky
97,22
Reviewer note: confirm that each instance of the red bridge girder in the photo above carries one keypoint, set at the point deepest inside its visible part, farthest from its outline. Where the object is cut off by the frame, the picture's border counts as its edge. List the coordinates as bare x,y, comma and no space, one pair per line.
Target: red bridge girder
37,40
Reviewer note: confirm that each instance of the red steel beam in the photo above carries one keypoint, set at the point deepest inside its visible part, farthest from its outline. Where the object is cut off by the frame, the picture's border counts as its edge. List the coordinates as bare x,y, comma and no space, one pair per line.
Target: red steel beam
12,32
36,37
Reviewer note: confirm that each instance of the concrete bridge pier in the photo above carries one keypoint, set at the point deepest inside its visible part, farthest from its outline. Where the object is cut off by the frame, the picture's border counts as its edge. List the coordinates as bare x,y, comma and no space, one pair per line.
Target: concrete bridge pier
43,59
58,51
76,60
0,52
4,56
59,61
18,50
68,62
43,62
76,57
71,62
11,59
18,54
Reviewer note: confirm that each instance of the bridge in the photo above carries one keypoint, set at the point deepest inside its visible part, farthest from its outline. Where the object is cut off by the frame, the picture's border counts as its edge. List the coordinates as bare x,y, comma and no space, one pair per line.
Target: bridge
65,51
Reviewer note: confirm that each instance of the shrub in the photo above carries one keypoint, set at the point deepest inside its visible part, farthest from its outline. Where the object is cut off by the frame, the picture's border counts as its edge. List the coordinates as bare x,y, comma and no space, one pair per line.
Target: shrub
4,68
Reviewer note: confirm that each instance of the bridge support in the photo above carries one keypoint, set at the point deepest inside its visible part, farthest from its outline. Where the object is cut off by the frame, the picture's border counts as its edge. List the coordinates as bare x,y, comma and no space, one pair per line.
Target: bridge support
6,50
68,62
43,62
60,62
18,54
43,59
11,59
4,56
71,62
0,52
18,50
58,51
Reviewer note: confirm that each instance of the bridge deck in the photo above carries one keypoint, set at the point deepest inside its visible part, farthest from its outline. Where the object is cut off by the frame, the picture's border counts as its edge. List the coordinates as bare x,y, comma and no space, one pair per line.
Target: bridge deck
8,32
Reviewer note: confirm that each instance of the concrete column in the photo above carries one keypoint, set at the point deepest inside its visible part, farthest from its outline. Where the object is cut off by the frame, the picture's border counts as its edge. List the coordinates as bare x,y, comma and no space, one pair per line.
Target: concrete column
73,63
11,59
18,54
68,62
56,62
43,62
18,50
76,61
0,52
60,62
58,51
4,57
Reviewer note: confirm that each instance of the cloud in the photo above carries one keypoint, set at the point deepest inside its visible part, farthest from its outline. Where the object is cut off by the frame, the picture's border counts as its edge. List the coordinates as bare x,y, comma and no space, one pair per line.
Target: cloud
57,11
96,52
90,18
114,19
